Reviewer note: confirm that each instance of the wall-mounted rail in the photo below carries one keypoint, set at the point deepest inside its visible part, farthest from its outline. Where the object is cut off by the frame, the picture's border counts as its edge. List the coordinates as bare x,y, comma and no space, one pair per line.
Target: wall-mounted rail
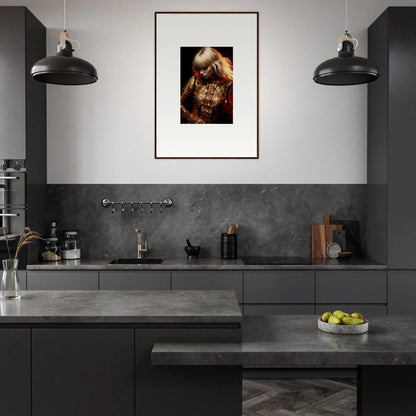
134,207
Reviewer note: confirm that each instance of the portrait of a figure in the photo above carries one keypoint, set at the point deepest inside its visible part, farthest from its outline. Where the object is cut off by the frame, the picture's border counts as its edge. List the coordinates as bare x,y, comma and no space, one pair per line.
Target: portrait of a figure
206,95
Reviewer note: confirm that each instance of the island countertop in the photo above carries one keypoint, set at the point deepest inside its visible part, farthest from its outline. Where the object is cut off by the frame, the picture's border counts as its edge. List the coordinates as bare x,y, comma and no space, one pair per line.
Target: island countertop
121,307
273,341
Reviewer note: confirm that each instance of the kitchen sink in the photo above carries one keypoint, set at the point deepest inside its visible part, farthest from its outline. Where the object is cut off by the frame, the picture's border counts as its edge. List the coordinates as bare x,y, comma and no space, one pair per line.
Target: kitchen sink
137,261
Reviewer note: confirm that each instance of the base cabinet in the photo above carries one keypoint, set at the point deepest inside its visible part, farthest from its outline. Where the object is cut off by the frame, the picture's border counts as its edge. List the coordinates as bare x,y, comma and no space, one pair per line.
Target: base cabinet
15,380
259,292
186,390
62,280
364,308
279,309
209,280
82,372
402,290
132,280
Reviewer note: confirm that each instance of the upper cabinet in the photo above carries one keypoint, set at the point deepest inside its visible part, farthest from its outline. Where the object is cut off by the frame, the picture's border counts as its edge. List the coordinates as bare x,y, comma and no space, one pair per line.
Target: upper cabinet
22,100
391,140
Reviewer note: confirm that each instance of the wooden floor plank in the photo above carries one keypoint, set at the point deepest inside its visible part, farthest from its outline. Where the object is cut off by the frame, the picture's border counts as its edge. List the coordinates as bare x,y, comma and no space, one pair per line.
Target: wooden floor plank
299,397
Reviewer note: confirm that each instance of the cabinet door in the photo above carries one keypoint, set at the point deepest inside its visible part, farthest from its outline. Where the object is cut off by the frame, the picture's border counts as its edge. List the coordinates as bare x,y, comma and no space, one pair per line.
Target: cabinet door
279,287
22,279
279,309
83,372
364,308
12,68
186,390
351,286
209,280
401,141
141,280
402,289
62,280
15,398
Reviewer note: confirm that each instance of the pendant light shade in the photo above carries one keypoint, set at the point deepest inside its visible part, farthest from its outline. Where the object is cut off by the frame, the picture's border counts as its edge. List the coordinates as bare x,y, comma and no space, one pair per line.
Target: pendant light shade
64,69
346,69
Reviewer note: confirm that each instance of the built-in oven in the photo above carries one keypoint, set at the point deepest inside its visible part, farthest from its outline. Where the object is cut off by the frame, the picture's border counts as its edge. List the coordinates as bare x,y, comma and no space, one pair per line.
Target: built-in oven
12,202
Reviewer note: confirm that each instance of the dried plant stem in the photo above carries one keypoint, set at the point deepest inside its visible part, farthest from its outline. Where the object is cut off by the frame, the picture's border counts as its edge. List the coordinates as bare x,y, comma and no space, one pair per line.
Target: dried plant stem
7,243
26,237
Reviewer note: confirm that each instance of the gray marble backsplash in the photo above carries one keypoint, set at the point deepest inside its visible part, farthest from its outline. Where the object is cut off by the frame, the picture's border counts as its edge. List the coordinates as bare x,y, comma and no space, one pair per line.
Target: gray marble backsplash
275,220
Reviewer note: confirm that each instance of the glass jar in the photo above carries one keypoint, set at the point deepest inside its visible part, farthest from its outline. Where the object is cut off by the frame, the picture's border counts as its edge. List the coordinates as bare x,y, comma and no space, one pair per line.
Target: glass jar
70,249
51,244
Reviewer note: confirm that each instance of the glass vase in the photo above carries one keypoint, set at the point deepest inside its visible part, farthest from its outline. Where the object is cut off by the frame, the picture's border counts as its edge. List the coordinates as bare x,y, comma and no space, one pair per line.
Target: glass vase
10,287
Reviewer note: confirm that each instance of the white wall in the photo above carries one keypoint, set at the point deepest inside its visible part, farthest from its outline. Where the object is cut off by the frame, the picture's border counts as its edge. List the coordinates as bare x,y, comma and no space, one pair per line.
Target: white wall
104,133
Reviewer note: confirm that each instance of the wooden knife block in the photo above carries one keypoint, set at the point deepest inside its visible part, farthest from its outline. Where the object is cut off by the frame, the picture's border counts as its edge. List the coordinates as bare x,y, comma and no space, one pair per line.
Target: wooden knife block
322,236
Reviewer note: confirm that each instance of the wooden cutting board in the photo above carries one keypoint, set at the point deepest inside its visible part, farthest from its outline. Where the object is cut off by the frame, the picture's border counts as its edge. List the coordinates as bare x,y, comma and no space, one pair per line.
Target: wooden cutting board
322,236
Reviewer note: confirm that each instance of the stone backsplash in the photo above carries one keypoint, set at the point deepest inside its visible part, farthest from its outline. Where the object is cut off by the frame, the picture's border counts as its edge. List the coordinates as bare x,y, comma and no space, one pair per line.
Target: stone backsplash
274,220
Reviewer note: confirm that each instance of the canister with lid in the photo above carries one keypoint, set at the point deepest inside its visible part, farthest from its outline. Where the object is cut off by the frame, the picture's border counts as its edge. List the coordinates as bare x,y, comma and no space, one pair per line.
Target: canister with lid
70,249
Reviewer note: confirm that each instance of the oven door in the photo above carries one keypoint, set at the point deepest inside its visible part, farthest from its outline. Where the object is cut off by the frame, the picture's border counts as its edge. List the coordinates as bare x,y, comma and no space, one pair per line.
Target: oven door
12,202
13,220
12,189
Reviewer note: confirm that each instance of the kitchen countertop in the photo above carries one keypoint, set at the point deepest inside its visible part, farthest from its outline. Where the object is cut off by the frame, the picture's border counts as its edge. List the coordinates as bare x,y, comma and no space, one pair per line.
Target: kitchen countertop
273,341
126,307
213,264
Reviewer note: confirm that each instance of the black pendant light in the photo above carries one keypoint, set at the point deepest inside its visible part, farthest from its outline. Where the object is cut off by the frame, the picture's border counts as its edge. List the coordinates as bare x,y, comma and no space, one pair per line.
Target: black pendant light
346,68
64,69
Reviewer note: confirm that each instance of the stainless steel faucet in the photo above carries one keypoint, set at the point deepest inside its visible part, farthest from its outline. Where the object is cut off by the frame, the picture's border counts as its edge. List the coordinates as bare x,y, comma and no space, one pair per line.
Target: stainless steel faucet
140,250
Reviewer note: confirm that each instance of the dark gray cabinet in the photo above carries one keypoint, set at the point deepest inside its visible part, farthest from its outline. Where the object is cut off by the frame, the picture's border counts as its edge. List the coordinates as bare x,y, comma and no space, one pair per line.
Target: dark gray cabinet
279,287
279,292
22,279
209,280
279,309
364,308
186,390
402,291
391,152
23,115
62,280
344,286
23,110
259,292
82,372
134,280
15,368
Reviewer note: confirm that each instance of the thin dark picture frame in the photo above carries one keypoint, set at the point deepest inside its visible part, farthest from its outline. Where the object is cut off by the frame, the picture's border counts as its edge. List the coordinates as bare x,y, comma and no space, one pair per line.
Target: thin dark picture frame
256,156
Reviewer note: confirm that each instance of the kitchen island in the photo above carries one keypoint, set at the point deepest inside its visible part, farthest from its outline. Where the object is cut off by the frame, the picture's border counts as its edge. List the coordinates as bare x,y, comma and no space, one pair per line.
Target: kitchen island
88,353
385,356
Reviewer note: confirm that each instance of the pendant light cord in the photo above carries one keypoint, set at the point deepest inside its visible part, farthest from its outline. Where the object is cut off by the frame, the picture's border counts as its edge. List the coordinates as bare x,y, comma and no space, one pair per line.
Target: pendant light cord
346,35
64,15
346,16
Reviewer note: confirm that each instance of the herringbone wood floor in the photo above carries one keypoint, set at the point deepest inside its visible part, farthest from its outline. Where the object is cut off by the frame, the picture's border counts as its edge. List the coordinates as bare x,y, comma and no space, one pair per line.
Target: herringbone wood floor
293,397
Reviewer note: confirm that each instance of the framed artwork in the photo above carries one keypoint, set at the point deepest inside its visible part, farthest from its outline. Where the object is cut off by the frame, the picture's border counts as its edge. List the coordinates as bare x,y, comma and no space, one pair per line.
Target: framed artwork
206,85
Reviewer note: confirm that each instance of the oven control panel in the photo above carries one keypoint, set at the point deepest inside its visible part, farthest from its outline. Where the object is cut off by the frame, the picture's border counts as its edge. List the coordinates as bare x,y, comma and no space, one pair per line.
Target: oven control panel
12,165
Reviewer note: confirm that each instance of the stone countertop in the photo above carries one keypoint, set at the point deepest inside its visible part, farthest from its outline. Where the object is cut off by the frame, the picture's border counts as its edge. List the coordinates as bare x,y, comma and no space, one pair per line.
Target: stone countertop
295,340
121,307
213,264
